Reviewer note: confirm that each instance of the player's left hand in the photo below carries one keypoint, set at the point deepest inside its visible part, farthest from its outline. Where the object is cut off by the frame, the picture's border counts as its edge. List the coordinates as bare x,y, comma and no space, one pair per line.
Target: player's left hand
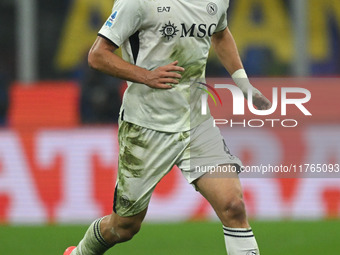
260,101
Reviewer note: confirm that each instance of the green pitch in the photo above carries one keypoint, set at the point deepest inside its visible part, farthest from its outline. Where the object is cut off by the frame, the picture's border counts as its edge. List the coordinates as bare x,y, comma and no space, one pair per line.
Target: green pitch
279,238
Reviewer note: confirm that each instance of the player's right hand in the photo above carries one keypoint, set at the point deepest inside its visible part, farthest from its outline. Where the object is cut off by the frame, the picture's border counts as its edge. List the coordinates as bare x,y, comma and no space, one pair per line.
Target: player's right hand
261,102
163,76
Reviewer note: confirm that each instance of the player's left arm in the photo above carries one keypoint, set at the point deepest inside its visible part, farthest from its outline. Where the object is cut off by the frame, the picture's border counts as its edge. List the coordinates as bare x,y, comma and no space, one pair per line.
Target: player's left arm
227,52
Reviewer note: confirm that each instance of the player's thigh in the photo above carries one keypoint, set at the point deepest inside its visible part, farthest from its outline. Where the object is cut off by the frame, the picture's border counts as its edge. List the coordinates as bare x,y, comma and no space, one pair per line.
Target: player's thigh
145,157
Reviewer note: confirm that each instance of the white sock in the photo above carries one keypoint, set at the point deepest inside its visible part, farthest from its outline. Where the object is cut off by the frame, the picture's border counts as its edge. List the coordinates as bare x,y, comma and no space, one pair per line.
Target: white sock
240,241
93,242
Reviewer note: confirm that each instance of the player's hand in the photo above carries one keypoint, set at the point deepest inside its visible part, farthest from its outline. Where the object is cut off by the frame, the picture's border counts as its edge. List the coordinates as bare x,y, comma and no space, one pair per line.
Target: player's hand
163,76
260,101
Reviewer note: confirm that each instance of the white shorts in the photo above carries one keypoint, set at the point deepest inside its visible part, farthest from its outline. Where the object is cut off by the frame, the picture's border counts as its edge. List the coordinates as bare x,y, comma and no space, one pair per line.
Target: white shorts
146,156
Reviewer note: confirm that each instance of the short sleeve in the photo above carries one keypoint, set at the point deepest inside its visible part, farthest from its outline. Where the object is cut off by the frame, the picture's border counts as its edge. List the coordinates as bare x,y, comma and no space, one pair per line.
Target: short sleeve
223,22
123,22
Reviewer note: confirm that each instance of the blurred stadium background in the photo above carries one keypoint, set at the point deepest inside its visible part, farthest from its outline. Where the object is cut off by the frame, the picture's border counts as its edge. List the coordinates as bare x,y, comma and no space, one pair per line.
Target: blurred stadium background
58,147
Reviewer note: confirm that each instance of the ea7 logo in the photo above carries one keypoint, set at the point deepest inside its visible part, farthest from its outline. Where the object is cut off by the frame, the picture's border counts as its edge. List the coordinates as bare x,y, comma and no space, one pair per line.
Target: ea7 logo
163,9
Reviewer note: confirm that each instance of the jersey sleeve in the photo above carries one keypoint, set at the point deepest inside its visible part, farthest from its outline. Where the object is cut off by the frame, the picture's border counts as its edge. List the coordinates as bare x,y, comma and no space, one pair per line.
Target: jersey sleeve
123,22
223,22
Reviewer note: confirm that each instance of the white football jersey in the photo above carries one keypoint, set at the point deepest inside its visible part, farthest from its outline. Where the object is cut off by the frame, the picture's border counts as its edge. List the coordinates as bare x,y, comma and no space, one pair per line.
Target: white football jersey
154,33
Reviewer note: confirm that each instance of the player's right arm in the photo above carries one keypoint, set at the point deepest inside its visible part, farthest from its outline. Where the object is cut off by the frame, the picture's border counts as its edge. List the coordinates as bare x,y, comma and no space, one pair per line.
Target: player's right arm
226,50
102,58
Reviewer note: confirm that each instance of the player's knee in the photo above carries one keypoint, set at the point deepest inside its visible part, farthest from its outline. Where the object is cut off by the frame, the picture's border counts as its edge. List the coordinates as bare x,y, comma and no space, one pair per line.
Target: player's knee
118,232
234,209
128,231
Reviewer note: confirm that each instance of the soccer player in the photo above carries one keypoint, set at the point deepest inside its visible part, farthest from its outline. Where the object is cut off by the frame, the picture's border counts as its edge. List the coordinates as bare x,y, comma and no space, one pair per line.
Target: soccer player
165,45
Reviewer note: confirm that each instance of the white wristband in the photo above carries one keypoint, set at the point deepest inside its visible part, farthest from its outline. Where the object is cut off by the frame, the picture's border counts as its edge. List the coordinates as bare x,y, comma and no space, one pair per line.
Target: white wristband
241,80
240,73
